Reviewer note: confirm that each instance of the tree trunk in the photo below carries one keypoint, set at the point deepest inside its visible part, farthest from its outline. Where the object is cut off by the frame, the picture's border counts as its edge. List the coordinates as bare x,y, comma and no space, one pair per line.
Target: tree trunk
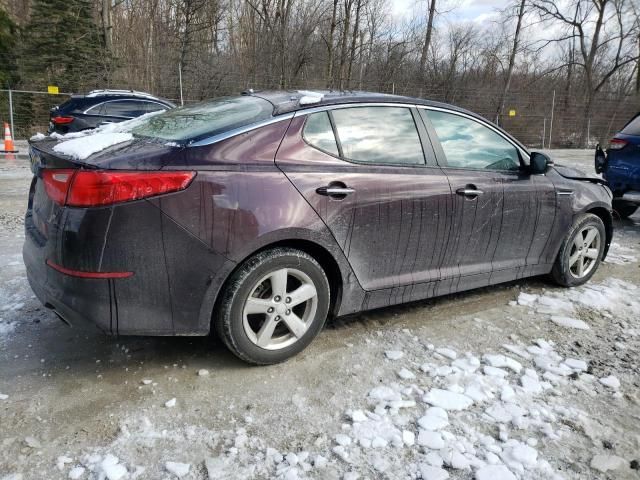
512,61
427,38
344,41
354,39
107,27
330,49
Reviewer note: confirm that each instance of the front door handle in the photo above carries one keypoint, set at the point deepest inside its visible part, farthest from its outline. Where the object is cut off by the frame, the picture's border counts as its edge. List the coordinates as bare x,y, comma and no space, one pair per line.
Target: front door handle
469,192
335,191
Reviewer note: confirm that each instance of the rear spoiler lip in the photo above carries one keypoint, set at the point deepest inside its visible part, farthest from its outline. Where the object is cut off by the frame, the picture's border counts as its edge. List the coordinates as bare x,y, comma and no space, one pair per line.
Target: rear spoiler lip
124,156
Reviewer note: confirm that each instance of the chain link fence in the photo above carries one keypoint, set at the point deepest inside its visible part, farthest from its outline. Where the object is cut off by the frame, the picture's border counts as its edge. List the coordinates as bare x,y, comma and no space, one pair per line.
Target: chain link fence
538,118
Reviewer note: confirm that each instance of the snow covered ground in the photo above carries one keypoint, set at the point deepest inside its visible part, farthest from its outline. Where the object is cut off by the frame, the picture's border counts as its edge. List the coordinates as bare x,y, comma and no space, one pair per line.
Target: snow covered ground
525,381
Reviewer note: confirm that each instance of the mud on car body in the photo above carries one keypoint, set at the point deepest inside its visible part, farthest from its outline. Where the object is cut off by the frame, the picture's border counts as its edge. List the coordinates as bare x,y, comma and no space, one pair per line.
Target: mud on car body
258,216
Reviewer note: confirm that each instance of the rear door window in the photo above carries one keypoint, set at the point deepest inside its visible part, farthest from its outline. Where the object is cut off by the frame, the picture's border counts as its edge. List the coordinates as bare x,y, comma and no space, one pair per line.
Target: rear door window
633,127
470,144
125,108
319,133
380,135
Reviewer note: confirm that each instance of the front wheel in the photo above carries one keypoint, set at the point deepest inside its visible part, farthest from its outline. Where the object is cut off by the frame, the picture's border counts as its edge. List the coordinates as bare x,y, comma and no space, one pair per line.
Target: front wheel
581,252
273,306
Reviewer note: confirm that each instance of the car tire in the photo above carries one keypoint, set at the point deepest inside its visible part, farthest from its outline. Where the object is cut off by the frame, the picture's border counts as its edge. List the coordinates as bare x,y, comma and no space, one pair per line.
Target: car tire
567,271
624,210
259,319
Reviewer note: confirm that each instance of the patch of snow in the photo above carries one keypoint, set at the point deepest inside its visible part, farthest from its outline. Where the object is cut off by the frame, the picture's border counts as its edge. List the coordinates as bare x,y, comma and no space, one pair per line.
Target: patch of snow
170,403
177,468
83,147
611,381
394,354
406,374
447,352
569,322
429,472
76,472
435,418
447,400
203,372
37,137
494,472
604,463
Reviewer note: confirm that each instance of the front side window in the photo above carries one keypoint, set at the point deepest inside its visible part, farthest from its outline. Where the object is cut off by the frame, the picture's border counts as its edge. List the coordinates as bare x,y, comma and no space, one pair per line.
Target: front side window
384,135
205,119
469,144
318,133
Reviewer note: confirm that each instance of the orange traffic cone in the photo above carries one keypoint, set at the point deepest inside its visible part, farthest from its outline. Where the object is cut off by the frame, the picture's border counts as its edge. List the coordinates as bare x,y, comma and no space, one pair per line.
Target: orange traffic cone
9,147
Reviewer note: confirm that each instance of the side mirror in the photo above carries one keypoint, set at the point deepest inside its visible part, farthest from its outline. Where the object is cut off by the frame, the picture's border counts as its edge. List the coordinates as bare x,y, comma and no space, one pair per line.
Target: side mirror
539,163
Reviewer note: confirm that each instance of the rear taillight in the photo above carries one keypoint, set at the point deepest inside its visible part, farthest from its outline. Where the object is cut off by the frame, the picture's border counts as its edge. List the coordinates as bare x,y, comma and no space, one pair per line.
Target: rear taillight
96,188
617,144
56,183
61,120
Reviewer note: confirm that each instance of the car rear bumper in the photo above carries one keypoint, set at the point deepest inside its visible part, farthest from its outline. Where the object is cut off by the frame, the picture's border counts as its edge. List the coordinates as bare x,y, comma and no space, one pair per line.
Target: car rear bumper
75,300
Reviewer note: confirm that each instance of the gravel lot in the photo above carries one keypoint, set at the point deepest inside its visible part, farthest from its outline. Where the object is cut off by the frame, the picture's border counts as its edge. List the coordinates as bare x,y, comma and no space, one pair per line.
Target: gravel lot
535,382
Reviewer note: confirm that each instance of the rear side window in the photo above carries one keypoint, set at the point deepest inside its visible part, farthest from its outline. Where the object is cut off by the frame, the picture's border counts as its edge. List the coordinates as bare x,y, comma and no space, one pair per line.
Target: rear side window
633,127
384,135
153,107
470,144
124,108
205,119
318,133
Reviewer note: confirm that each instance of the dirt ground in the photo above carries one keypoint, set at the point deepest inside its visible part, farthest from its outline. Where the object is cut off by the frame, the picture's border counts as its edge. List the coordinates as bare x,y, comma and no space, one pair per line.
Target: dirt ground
81,403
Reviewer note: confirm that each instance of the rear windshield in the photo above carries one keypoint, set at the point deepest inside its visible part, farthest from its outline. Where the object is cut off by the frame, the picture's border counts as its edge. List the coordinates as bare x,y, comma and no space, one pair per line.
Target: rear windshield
205,119
633,127
72,105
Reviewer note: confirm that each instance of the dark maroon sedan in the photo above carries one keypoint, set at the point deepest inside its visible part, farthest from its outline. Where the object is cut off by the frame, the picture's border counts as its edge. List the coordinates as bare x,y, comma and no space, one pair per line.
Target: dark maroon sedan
258,216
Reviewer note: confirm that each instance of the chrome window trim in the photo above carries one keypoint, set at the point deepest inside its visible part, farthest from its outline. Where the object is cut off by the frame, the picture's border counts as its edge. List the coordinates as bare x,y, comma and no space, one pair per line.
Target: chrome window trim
324,108
240,130
335,106
523,152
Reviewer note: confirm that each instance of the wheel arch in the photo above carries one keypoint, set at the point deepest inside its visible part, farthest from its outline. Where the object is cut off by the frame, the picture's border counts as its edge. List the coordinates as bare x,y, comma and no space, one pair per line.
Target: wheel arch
607,218
317,251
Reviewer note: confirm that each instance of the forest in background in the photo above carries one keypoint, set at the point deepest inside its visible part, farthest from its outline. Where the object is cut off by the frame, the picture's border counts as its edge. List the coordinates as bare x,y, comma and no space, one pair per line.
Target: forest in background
570,65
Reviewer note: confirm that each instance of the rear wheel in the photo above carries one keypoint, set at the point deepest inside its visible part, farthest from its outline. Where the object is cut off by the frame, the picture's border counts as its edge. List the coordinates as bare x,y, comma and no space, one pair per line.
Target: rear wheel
625,210
273,306
581,252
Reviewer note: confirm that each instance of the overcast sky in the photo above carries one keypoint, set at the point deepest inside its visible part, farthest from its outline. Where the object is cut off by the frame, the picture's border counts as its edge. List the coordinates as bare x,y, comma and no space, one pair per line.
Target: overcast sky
455,10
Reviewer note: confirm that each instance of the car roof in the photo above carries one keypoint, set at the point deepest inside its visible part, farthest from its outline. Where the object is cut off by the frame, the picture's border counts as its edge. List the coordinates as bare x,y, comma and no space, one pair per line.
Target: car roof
103,95
287,101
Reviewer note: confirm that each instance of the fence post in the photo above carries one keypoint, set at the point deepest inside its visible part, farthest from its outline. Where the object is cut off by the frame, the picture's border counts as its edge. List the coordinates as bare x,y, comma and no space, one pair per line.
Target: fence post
553,106
13,134
588,131
544,130
180,80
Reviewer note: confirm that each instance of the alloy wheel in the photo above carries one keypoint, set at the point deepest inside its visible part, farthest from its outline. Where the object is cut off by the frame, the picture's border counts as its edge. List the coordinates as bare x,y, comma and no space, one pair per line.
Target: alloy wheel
584,252
280,308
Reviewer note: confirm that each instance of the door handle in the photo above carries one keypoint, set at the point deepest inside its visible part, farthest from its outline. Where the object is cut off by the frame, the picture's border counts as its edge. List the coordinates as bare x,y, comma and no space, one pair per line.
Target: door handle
469,192
332,191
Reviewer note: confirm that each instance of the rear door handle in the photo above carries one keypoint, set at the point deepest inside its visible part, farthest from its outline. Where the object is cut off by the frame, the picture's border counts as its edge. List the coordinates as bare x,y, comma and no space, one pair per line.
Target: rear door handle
469,192
332,191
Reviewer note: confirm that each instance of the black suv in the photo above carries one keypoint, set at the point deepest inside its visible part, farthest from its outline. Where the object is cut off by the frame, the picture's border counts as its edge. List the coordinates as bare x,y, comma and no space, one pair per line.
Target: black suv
98,107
